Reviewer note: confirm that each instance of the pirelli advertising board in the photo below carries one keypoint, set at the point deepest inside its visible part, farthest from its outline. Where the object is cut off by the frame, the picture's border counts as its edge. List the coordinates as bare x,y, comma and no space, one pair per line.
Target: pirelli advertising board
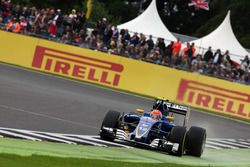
77,66
126,74
215,97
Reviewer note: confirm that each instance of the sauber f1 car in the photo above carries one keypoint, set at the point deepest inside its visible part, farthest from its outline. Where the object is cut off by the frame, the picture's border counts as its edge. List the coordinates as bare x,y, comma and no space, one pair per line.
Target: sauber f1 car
156,129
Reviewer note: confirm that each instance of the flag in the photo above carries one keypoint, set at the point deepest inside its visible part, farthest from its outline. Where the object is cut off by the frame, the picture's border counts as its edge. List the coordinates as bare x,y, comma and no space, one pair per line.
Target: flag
202,4
89,8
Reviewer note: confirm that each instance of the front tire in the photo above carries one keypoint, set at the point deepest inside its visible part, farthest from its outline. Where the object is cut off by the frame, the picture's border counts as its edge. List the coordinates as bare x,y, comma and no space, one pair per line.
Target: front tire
178,136
111,120
196,139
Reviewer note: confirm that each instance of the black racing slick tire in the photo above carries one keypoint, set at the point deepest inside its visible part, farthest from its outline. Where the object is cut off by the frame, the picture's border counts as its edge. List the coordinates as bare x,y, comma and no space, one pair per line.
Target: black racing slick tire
111,120
178,136
196,139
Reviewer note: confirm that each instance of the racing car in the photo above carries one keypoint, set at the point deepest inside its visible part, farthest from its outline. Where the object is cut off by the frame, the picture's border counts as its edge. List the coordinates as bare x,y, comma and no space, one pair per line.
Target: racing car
156,129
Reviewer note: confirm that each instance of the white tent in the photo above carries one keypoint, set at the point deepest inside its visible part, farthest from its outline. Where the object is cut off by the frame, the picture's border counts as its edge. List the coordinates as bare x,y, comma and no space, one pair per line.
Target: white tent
222,38
149,23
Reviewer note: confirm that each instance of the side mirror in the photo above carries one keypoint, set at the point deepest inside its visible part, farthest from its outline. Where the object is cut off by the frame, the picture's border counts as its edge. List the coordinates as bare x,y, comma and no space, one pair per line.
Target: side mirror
139,110
170,118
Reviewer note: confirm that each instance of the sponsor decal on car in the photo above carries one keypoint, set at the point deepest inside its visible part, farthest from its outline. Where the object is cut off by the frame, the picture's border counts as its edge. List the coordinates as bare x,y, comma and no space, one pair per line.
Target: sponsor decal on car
142,129
215,98
77,66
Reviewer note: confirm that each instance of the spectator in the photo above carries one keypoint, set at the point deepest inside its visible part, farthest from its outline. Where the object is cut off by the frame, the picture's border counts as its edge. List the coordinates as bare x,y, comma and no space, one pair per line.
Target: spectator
150,43
162,46
184,53
168,52
245,63
9,25
67,34
217,57
52,29
101,26
227,58
99,43
24,24
108,32
208,55
16,11
82,18
39,22
134,40
115,34
189,53
6,13
153,57
112,44
125,37
72,15
177,48
16,26
193,50
58,17
142,40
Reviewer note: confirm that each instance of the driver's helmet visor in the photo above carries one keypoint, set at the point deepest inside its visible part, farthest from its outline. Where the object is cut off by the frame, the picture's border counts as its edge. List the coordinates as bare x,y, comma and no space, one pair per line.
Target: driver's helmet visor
155,116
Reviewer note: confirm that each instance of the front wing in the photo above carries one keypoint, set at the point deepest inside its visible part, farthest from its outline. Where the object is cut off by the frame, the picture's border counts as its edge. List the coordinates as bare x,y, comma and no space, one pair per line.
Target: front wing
158,144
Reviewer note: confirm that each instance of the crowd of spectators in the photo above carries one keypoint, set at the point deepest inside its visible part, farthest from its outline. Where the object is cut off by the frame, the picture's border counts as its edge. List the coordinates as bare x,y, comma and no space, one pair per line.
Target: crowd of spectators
70,28
47,22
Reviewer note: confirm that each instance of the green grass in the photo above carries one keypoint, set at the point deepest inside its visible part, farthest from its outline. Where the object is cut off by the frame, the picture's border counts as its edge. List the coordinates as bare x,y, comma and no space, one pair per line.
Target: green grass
8,160
20,153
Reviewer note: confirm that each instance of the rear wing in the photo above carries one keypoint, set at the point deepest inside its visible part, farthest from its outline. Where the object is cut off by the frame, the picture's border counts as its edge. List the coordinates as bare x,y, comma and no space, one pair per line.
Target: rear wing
176,108
179,109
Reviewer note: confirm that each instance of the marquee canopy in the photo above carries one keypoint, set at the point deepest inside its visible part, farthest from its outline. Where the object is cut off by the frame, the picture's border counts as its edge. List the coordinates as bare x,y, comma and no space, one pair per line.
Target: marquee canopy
223,38
149,23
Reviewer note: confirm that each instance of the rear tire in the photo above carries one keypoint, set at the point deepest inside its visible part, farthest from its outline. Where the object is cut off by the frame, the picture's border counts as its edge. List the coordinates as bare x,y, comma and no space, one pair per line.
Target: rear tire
111,120
196,139
178,135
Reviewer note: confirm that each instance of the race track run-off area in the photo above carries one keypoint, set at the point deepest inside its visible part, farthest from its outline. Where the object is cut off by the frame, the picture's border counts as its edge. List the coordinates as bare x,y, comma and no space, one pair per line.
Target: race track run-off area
96,141
41,107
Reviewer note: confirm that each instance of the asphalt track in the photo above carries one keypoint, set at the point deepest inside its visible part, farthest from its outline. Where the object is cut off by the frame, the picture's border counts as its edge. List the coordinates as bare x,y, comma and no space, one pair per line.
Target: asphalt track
41,102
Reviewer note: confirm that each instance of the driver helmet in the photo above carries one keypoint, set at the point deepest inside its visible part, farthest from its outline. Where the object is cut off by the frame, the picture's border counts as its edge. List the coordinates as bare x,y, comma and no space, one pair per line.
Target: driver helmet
156,114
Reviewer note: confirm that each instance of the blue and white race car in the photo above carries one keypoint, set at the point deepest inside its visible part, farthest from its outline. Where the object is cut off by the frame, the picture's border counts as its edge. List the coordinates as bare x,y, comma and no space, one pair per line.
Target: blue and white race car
156,129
